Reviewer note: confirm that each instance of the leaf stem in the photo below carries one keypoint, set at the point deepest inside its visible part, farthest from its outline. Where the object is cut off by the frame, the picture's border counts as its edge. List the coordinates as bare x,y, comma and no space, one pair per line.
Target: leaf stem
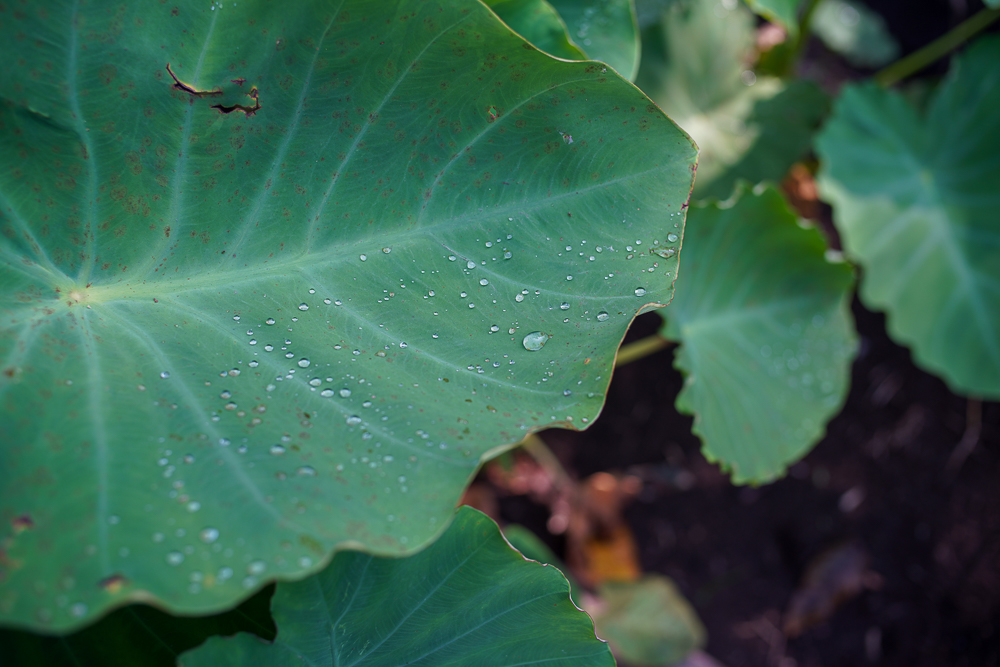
538,450
804,25
937,49
641,348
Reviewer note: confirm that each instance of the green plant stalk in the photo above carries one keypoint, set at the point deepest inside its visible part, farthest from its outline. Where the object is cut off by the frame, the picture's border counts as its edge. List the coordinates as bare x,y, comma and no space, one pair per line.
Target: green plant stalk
803,37
641,348
937,49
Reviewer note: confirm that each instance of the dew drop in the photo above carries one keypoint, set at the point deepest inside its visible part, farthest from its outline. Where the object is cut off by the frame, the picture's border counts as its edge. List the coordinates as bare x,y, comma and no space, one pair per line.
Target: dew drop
175,558
403,345
306,471
519,297
315,382
470,264
257,567
164,375
269,321
353,420
303,306
209,535
484,282
672,238
507,255
363,258
564,306
387,250
640,291
602,316
304,363
569,277
277,449
344,393
494,328
326,393
534,341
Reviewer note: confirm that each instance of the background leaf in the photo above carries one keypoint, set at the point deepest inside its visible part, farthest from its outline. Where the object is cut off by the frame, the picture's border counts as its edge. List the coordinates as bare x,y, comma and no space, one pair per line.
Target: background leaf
765,331
469,598
784,125
606,29
235,339
539,23
855,32
915,198
696,67
648,622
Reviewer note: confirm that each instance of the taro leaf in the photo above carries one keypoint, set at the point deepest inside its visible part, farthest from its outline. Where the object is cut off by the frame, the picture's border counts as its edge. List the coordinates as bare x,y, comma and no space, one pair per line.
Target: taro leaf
278,306
785,125
468,599
855,32
539,23
648,622
915,198
784,12
697,74
606,30
765,331
532,548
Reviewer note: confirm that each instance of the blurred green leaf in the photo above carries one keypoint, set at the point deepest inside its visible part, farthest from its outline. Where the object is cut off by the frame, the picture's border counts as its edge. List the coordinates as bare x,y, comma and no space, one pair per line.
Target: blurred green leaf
648,622
915,197
785,126
606,30
468,599
765,332
539,23
697,69
235,339
783,12
855,32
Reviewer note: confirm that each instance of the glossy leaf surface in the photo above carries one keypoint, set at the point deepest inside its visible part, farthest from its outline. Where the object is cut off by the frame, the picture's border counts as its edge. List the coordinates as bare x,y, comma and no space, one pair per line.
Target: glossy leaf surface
765,330
915,198
468,599
287,302
539,23
606,30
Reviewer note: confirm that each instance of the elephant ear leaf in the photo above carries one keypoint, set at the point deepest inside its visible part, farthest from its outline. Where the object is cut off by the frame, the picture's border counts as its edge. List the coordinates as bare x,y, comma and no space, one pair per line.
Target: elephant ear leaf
915,199
278,277
469,598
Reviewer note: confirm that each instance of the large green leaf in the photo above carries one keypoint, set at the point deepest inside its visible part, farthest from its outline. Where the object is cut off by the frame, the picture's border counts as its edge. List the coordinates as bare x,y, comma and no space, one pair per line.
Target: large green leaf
765,330
916,200
747,126
539,23
468,599
235,339
606,29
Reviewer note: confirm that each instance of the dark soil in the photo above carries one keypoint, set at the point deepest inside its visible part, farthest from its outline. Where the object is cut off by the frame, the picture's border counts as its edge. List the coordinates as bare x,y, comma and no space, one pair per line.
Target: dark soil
738,553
